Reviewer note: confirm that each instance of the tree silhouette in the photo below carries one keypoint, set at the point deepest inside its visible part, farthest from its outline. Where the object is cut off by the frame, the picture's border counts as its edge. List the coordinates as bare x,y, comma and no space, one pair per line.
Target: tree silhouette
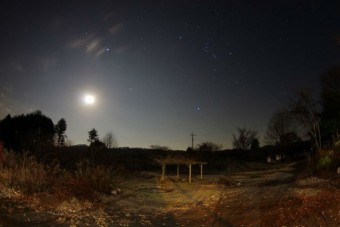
110,140
159,147
330,100
60,129
7,131
93,136
244,138
305,111
281,129
208,146
30,132
97,144
255,144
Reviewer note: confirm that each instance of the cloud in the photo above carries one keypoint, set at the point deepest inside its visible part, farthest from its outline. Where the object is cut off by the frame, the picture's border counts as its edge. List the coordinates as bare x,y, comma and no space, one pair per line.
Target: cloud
121,49
17,66
108,15
5,107
115,29
47,62
10,104
100,52
91,45
4,111
95,46
81,42
56,24
7,89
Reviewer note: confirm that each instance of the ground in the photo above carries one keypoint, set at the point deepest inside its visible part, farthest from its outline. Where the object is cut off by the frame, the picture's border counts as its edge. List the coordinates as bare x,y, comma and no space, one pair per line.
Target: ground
268,195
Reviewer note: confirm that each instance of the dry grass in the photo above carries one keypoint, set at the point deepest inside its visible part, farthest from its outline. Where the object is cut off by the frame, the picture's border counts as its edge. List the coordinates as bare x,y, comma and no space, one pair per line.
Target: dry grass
99,177
258,197
23,172
321,209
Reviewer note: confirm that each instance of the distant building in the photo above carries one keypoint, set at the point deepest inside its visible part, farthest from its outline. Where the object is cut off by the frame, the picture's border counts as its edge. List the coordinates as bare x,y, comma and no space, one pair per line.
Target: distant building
276,157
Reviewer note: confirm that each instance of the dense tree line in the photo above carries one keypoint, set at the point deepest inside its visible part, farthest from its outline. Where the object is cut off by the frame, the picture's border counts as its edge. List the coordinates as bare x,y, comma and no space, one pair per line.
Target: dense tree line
32,132
27,132
35,131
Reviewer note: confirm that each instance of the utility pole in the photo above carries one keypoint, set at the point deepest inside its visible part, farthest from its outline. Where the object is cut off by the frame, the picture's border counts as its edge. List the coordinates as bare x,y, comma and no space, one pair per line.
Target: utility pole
192,140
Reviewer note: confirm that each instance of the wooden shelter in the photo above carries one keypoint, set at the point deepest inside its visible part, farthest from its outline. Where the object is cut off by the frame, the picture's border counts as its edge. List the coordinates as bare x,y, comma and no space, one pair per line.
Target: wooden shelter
178,162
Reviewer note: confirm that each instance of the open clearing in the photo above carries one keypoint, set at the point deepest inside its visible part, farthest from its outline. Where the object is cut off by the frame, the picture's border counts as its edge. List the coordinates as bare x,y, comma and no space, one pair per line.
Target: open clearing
275,195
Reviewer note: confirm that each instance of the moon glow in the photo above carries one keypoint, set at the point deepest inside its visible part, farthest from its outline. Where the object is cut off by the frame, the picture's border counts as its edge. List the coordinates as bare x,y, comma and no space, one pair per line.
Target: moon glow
89,99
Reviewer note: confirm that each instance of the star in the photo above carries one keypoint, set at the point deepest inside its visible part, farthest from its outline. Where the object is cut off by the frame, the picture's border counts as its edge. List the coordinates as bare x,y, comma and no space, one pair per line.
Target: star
228,52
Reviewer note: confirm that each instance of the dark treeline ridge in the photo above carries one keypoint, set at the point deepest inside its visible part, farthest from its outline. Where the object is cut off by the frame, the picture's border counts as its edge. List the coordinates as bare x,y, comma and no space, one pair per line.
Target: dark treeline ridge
139,159
35,133
30,132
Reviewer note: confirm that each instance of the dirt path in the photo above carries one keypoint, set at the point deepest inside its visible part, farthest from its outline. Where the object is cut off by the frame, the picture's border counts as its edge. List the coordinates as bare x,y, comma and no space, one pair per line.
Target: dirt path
274,196
250,197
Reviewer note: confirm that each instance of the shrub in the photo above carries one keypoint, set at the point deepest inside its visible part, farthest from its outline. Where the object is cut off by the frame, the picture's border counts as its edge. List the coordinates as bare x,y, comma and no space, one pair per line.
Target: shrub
325,160
99,177
25,173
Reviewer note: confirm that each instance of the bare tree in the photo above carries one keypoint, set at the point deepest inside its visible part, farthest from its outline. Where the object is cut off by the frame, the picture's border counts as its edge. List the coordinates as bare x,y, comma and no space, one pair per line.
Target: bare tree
208,146
110,140
255,144
281,129
244,138
330,100
305,111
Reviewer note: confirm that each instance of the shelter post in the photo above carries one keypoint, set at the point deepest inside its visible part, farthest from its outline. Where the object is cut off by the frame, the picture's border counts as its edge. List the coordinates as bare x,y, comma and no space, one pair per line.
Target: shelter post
177,171
189,172
163,170
201,171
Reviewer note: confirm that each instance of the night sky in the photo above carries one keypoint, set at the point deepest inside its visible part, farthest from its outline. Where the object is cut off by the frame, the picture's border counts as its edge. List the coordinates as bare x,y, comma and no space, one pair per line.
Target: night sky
160,70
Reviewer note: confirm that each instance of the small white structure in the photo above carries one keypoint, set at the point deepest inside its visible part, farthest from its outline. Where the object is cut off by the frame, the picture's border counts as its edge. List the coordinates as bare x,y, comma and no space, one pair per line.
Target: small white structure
278,157
269,159
275,158
338,171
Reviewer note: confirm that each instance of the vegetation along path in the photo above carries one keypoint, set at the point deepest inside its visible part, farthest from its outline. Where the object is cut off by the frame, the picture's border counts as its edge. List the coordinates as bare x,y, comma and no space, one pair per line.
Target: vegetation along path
273,195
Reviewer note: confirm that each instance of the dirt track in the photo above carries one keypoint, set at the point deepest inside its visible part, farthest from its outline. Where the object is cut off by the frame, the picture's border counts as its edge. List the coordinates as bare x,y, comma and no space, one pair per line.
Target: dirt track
276,196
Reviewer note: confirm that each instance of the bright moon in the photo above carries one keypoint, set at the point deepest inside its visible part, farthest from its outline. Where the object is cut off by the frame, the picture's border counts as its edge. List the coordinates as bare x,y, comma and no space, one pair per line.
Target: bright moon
89,99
